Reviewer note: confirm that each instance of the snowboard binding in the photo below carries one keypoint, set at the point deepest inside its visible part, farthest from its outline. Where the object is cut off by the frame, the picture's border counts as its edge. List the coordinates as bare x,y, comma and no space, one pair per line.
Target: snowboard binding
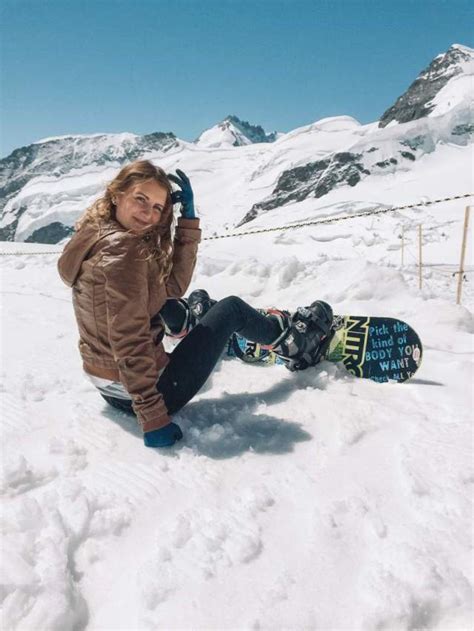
305,339
199,303
194,309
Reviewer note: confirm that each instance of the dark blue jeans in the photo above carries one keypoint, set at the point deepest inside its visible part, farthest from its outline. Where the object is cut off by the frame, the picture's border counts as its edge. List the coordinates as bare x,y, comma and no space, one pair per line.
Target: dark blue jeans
195,357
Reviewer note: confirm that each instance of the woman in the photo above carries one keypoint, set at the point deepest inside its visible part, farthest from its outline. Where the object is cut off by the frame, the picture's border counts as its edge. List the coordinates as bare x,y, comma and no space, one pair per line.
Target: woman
128,274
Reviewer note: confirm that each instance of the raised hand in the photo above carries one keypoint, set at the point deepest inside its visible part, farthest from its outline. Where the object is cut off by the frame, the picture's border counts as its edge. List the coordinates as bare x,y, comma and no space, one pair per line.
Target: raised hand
185,196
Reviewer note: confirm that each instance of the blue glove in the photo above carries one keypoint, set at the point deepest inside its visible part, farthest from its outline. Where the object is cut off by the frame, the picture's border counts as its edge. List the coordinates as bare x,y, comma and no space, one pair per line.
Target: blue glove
164,437
185,196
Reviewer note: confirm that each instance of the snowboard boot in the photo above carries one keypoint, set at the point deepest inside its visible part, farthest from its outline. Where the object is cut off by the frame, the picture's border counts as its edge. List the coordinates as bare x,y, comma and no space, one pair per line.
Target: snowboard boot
199,303
186,321
195,306
305,335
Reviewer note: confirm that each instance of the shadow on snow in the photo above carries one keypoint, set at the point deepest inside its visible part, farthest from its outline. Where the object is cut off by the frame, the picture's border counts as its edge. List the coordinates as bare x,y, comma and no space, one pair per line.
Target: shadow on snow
228,426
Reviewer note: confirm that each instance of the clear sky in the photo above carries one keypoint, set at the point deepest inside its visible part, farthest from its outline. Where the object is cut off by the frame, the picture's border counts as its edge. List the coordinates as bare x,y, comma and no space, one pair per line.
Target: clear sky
89,66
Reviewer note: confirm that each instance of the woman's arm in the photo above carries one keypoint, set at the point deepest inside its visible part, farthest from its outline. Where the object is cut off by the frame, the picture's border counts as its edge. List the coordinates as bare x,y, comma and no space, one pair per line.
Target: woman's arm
126,293
186,241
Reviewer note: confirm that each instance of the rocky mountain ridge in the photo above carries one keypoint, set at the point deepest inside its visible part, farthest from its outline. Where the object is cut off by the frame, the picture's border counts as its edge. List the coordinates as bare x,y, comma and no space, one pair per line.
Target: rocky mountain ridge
417,101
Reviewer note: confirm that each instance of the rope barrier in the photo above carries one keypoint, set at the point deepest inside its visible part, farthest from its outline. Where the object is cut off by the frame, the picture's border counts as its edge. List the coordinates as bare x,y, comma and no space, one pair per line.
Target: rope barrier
314,222
29,253
363,213
436,267
432,267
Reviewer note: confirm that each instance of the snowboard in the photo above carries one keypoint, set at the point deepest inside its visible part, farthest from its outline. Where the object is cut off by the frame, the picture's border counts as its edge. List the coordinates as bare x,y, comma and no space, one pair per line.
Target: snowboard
377,348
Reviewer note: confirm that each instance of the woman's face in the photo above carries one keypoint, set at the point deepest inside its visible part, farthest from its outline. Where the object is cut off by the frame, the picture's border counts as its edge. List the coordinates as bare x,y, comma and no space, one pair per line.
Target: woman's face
140,207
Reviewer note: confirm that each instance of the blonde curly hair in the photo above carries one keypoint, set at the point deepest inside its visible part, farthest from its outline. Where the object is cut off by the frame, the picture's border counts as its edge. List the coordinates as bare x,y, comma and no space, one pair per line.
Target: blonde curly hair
157,241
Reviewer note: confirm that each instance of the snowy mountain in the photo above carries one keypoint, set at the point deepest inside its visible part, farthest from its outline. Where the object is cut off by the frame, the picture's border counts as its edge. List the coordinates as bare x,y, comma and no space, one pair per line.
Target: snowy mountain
436,110
54,159
441,86
232,132
241,173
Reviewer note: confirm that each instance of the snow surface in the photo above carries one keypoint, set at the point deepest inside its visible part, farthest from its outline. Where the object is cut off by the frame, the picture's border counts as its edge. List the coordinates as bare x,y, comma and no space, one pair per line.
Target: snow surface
107,137
295,501
453,93
223,135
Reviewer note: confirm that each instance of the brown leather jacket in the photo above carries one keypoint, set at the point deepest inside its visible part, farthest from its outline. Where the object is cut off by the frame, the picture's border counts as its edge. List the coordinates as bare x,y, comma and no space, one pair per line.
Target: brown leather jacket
115,295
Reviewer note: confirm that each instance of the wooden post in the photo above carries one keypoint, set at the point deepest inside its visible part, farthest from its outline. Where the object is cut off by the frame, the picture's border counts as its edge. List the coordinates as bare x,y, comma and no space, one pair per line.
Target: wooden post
463,253
420,258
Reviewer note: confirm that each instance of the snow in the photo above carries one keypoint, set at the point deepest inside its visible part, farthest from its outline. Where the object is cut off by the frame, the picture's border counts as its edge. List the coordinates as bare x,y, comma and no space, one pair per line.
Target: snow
464,49
308,500
455,91
119,137
303,501
329,124
223,135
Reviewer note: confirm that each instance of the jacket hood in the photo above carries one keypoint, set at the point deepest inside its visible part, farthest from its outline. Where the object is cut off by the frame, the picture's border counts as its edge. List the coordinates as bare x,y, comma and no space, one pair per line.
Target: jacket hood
77,250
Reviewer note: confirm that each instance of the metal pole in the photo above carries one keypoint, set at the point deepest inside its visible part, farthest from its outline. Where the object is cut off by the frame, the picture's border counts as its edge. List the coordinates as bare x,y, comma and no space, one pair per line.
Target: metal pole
463,253
420,258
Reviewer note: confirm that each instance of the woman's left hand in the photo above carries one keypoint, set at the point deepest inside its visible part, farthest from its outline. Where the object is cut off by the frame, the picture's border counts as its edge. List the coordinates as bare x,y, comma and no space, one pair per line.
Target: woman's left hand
185,196
164,437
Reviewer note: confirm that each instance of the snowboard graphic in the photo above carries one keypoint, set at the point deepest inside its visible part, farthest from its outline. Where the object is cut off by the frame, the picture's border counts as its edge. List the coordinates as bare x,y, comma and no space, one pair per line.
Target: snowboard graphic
377,348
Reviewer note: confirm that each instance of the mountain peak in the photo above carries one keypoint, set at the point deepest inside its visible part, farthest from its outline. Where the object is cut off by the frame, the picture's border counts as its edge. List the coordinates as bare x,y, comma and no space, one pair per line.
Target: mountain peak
418,101
233,132
460,52
255,133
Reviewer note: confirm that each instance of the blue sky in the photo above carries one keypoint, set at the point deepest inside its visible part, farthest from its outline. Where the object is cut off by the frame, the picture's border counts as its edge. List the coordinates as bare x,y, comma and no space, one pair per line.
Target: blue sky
183,65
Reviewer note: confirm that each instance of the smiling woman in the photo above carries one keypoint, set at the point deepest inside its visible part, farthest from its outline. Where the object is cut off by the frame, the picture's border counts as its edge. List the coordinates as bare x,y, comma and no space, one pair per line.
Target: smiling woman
129,277
139,199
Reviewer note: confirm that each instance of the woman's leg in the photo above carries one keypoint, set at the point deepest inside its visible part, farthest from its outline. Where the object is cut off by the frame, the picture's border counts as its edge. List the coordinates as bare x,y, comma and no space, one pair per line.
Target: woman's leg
195,357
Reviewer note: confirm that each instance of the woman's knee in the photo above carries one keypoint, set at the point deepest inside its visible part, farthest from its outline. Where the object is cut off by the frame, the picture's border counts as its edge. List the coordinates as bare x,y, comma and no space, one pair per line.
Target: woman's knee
231,302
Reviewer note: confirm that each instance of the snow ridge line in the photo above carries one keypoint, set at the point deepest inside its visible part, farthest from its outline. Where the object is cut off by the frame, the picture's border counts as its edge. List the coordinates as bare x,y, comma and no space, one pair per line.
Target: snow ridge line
314,222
